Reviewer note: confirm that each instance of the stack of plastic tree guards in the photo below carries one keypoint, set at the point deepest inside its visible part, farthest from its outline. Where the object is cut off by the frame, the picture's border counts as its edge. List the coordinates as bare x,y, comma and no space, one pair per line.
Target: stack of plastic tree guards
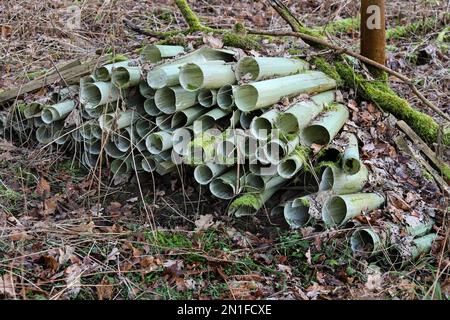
246,127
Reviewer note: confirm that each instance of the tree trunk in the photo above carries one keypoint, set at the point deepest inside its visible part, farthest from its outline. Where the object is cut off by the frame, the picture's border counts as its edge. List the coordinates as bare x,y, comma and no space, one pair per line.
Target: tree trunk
373,30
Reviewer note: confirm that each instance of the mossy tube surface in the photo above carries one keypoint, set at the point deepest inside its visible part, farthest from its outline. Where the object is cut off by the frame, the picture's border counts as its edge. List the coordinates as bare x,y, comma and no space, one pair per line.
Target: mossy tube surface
339,209
205,173
172,99
156,53
334,178
298,116
227,185
326,126
99,93
350,161
57,112
261,94
125,77
104,73
260,68
261,127
158,142
249,204
206,76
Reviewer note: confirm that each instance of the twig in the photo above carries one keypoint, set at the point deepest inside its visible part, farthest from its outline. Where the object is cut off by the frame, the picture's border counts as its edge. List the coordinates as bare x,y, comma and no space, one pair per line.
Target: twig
130,24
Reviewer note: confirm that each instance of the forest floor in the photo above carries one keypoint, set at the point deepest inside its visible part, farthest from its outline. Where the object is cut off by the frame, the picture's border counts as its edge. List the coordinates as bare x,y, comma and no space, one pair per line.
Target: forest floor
67,233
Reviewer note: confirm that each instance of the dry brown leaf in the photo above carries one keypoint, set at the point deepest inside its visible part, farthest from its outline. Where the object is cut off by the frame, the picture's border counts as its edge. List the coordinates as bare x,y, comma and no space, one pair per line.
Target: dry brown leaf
43,187
204,222
212,41
50,206
105,289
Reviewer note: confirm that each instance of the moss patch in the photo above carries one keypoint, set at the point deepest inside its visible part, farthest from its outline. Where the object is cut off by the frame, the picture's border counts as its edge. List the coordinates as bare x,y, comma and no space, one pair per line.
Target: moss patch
251,200
328,69
245,42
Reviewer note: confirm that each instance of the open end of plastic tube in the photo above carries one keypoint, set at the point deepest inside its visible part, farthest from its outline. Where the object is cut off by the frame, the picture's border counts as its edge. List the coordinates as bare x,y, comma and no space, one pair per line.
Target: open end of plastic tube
112,150
150,108
164,121
327,181
102,74
245,211
123,142
92,94
165,100
89,160
221,190
274,152
246,97
352,165
334,211
287,123
44,135
148,164
203,174
179,120
145,90
119,166
362,242
206,98
157,79
191,77
154,143
152,54
255,182
246,66
206,122
47,116
225,98
261,128
120,77
288,168
316,134
296,217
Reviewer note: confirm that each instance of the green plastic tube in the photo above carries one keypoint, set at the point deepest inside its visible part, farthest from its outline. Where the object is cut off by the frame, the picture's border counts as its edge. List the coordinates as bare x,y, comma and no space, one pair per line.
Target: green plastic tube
335,179
337,210
260,68
227,185
256,183
187,116
351,163
297,117
57,112
156,53
209,119
250,204
145,90
151,109
172,99
99,93
207,97
158,142
366,242
291,165
225,98
164,76
121,166
296,212
164,121
261,94
326,126
205,173
104,73
148,164
277,149
261,127
126,77
117,120
196,76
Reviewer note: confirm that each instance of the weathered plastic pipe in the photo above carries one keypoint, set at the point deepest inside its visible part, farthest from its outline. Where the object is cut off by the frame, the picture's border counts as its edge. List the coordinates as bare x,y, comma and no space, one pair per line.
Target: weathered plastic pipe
123,141
260,68
148,164
90,160
196,76
227,185
156,53
205,173
145,90
164,76
208,120
276,149
323,129
57,111
225,98
258,95
351,163
164,121
99,93
207,97
250,204
366,241
143,127
172,99
104,73
256,183
165,167
47,134
90,130
334,178
337,210
33,109
158,142
112,150
93,146
119,120
126,77
292,164
296,212
294,119
187,116
121,166
151,109
261,127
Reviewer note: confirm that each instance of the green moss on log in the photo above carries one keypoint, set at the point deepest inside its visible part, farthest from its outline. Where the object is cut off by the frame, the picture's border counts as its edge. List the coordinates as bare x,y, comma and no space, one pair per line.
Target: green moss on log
250,200
191,18
380,93
327,68
246,42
